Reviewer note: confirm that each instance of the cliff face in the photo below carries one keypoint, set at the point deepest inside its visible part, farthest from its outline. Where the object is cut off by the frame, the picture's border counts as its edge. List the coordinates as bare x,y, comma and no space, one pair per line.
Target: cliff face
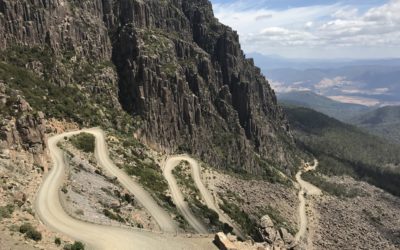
178,68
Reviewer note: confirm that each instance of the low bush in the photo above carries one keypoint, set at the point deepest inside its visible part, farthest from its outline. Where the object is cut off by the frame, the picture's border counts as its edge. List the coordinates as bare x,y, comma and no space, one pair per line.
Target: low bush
30,232
84,142
57,241
76,246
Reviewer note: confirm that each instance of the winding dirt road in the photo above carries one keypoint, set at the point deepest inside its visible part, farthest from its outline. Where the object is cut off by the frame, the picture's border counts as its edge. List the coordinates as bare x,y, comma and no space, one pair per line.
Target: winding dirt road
178,198
306,188
162,218
51,213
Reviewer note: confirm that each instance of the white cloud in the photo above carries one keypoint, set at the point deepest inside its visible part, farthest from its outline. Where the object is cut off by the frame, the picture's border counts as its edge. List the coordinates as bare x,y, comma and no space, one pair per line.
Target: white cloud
309,24
335,30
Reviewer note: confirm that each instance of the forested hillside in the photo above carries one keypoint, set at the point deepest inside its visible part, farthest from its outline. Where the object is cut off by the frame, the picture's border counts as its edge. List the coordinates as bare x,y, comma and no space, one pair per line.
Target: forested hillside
346,150
384,122
325,105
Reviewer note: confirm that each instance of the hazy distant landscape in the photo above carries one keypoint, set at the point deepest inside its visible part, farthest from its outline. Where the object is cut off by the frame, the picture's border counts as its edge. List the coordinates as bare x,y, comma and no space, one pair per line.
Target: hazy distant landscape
365,82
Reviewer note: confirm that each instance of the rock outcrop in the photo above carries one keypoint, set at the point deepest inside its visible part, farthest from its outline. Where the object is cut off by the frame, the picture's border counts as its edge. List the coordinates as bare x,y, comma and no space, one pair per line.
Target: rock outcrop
24,130
178,68
280,238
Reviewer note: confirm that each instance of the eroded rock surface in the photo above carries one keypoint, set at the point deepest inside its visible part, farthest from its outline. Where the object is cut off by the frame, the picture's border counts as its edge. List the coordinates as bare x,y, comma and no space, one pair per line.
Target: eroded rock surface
178,68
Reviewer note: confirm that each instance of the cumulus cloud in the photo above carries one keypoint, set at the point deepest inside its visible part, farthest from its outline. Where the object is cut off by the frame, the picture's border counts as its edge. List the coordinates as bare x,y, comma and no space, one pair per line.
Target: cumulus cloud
335,30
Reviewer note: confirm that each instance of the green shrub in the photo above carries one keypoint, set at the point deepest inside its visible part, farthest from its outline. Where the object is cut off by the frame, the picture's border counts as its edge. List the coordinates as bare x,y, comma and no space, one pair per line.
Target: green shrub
30,232
67,246
57,241
25,228
76,246
84,142
34,235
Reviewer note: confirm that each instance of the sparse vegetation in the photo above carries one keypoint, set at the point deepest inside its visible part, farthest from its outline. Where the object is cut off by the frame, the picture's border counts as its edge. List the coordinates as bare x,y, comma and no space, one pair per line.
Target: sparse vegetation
237,214
6,211
184,179
192,195
62,95
30,232
149,175
113,216
84,142
331,188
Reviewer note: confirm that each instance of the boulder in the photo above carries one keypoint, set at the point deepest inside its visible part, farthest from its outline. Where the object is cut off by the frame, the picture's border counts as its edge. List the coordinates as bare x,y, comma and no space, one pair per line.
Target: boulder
223,243
286,236
266,222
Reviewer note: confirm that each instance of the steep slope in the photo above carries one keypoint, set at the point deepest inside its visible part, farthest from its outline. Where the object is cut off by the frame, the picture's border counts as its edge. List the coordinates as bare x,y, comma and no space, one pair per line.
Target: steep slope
309,99
170,64
383,122
346,150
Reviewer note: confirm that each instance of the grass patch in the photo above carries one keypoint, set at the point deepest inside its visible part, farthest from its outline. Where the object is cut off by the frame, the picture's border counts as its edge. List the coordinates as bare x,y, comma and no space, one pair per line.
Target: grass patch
149,175
84,142
6,211
185,180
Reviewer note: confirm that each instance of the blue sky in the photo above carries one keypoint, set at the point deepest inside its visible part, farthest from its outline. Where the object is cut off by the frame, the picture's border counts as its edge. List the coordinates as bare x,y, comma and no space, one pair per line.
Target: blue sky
315,29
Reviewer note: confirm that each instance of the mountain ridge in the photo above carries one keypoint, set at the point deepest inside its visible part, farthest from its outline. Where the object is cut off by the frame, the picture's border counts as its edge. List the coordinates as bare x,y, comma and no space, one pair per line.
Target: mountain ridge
325,105
384,122
169,64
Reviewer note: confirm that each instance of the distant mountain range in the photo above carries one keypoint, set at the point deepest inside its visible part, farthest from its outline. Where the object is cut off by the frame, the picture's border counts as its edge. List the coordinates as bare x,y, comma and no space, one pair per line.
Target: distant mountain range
383,122
366,82
271,62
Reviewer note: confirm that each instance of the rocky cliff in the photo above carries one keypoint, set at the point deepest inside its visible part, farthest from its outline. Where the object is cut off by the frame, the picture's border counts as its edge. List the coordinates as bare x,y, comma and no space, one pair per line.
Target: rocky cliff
176,67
